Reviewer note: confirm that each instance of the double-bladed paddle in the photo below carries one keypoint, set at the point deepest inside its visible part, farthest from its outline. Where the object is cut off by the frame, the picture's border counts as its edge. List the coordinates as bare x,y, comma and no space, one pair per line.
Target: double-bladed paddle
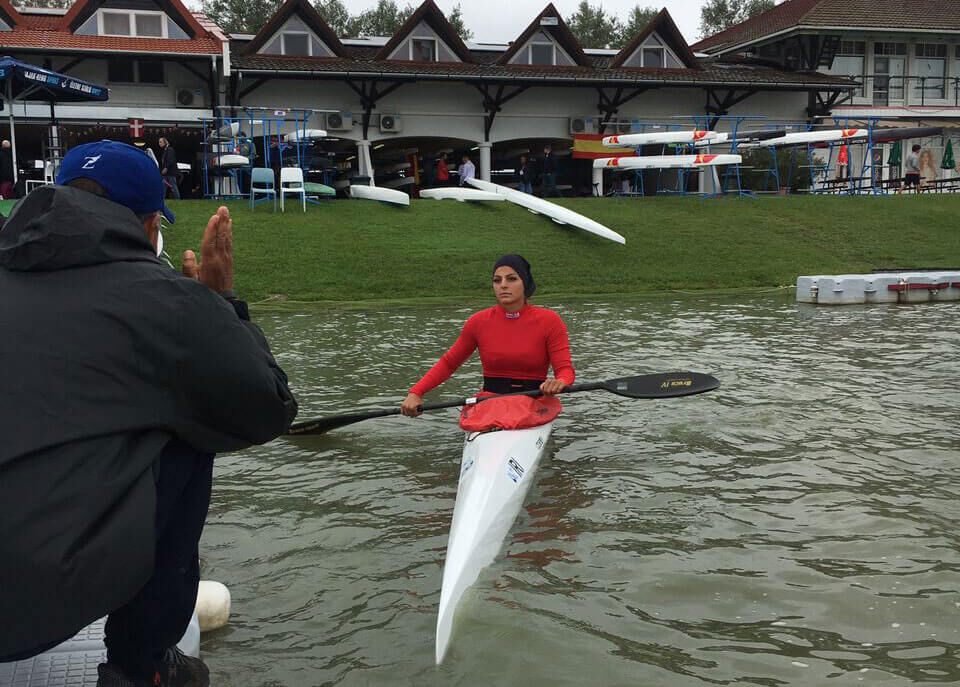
665,385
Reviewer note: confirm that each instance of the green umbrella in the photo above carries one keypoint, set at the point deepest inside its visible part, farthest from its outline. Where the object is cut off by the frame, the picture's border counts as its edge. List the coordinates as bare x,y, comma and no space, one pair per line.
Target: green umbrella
948,162
894,160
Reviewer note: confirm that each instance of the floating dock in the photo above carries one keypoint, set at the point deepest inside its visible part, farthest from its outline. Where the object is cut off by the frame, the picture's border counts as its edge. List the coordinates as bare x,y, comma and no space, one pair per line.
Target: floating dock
907,286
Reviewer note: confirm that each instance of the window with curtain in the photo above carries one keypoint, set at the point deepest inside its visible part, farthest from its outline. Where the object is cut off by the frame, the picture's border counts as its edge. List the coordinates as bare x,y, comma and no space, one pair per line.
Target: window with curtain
424,49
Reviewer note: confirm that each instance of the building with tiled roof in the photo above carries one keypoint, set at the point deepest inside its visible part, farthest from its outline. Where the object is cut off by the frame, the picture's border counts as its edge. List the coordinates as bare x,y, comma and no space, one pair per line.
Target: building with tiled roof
167,68
905,54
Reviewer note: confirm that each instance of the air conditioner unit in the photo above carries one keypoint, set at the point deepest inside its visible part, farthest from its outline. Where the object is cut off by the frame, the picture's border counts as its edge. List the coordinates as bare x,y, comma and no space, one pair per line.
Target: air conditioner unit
583,125
339,121
390,123
190,97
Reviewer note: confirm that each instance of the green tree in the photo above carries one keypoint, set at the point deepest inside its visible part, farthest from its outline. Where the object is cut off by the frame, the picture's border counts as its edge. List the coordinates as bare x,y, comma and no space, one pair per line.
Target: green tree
240,16
637,20
456,21
335,13
382,20
718,15
593,27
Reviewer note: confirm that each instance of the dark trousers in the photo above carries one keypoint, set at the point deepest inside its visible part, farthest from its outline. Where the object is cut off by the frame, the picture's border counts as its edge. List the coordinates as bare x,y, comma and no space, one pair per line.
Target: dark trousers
549,187
138,633
171,183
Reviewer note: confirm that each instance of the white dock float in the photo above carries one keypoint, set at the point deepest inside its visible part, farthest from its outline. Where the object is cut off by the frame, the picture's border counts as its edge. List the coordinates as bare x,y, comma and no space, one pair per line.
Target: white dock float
908,286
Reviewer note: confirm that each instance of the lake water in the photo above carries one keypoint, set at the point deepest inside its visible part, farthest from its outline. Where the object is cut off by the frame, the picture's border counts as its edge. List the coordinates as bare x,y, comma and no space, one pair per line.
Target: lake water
798,526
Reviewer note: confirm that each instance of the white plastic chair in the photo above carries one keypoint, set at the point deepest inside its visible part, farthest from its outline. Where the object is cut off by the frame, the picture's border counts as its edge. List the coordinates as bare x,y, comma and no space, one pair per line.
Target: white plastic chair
261,184
291,183
48,178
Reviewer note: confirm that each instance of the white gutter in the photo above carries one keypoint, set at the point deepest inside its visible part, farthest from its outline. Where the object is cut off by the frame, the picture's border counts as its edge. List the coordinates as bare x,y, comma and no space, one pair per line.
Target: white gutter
226,58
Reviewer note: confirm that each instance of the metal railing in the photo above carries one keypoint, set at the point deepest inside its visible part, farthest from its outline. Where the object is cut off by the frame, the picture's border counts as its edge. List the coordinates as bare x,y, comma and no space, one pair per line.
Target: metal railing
882,89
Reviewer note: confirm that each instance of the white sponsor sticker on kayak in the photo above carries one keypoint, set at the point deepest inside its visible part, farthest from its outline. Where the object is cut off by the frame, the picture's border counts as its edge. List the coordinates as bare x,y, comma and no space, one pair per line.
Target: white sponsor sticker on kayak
467,464
514,470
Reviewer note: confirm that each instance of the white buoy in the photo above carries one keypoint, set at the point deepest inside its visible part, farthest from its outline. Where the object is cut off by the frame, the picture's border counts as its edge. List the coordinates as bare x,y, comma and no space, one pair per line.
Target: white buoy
213,605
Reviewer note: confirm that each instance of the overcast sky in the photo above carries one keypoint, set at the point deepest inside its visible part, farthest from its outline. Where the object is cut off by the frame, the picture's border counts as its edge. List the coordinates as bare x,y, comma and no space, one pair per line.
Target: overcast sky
500,21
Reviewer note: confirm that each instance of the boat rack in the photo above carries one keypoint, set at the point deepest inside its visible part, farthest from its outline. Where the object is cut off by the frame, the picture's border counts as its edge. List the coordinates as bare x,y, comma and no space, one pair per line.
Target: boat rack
907,286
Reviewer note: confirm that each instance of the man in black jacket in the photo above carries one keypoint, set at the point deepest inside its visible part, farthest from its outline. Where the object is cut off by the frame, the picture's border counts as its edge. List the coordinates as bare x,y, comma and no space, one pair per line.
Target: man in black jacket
168,167
121,379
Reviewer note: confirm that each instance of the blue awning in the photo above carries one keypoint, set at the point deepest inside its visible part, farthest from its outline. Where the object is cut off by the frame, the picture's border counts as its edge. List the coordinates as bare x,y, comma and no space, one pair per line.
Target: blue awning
22,81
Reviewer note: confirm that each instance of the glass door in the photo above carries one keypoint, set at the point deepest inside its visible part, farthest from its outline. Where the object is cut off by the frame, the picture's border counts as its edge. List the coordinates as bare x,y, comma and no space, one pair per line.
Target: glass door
889,67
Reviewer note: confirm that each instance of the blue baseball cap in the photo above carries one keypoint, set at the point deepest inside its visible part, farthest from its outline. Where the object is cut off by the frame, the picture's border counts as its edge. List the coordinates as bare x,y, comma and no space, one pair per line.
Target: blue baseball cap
129,177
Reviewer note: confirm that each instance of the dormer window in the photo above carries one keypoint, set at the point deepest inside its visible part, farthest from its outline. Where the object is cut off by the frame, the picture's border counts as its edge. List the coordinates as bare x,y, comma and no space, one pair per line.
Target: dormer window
133,24
423,49
653,53
654,57
543,53
295,43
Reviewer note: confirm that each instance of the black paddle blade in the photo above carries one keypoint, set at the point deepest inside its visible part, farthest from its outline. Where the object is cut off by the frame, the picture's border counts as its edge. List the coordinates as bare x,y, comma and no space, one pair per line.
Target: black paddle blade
667,385
322,425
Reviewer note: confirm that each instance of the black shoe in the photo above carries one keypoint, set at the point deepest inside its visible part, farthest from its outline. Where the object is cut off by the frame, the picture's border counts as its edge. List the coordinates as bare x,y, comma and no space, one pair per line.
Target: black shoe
176,670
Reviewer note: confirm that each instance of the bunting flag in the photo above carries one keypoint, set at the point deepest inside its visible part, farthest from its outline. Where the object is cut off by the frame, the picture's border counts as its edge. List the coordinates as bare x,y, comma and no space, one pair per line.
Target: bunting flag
948,161
590,147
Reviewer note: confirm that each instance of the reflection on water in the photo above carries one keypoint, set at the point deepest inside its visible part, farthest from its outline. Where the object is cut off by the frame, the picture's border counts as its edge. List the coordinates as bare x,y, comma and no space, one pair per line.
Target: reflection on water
797,526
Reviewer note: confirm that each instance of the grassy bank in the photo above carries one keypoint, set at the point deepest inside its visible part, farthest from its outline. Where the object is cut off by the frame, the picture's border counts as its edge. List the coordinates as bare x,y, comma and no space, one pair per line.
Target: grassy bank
360,251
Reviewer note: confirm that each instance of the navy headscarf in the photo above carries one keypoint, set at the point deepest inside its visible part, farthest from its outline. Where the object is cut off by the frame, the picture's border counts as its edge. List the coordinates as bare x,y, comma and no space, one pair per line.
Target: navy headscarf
522,268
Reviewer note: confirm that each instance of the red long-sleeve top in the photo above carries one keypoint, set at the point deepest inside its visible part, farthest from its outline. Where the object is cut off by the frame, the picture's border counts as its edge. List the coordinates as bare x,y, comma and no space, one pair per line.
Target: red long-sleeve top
521,345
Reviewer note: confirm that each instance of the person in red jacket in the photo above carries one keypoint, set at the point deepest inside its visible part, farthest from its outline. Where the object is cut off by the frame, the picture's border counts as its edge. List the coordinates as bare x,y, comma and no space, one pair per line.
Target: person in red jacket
443,173
518,342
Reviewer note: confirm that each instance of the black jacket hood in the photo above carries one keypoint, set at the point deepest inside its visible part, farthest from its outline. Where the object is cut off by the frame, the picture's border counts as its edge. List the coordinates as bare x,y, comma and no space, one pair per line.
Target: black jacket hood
59,227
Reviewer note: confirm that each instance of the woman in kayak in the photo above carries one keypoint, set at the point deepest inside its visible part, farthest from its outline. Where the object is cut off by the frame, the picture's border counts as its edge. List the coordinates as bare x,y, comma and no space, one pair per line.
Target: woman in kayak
518,342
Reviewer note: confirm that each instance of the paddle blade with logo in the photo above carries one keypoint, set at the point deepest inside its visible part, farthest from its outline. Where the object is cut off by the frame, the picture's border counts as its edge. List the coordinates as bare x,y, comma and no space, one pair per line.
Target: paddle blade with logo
667,385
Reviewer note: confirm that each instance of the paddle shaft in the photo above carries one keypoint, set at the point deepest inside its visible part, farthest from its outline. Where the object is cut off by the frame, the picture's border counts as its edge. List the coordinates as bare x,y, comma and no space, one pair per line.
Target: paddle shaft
325,424
664,385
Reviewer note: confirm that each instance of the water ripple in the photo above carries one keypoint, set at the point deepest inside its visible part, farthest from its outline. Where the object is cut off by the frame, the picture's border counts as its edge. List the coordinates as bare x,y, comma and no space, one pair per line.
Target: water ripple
795,527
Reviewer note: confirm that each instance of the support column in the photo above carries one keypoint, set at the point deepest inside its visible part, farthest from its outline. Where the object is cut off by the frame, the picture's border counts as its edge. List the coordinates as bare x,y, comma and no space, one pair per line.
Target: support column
485,160
364,162
597,182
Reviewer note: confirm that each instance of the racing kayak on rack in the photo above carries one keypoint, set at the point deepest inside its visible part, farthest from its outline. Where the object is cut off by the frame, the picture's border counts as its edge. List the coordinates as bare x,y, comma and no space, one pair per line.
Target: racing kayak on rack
495,474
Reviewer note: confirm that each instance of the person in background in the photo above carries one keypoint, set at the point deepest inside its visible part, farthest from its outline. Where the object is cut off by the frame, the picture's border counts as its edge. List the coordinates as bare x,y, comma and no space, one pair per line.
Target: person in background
443,172
6,170
911,169
168,167
525,174
122,378
518,342
428,171
467,170
548,173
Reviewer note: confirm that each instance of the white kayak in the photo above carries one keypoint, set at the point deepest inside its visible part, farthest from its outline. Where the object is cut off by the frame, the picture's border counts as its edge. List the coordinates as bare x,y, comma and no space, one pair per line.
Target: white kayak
385,195
460,193
230,162
666,161
496,472
557,213
806,137
225,132
305,135
662,137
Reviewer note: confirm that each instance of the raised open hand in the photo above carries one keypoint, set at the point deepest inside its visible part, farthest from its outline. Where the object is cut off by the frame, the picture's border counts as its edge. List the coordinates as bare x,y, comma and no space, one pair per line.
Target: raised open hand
216,249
